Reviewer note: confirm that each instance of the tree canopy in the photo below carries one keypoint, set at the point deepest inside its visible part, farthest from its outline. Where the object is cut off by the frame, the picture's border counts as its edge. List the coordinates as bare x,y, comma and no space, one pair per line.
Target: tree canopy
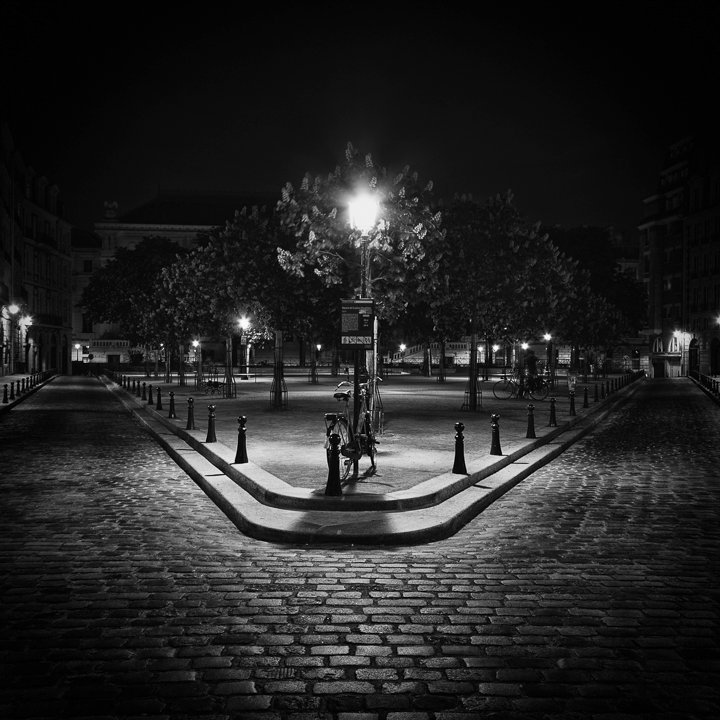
499,276
235,271
396,248
128,291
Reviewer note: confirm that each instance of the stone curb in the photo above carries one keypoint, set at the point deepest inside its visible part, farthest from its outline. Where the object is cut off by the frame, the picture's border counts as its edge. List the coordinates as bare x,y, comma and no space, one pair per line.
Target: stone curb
266,508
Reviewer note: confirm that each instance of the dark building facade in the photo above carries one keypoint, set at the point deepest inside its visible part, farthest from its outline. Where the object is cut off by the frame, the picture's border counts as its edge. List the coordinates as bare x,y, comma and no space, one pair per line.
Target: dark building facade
680,262
35,268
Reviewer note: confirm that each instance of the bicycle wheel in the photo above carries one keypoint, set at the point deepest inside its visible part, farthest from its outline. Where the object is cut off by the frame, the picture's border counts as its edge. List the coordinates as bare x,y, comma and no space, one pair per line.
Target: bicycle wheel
504,389
540,392
340,427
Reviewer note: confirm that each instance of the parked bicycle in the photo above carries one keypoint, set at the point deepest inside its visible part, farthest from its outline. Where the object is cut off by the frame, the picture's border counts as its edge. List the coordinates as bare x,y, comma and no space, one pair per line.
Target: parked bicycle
354,441
533,387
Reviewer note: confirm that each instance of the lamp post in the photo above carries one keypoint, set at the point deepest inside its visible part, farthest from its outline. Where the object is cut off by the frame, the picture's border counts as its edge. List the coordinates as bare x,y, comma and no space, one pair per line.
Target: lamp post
12,313
77,352
363,211
549,355
681,336
198,362
402,357
244,323
363,215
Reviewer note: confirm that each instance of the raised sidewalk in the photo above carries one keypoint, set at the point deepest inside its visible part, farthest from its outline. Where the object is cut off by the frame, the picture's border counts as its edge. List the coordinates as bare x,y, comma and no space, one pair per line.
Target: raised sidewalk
279,495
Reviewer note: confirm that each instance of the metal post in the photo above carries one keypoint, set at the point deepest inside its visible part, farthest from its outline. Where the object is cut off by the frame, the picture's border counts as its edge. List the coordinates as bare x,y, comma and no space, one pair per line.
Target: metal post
171,413
356,406
531,422
241,454
158,405
144,391
191,415
5,394
459,464
211,425
150,395
495,444
585,398
553,416
333,486
572,403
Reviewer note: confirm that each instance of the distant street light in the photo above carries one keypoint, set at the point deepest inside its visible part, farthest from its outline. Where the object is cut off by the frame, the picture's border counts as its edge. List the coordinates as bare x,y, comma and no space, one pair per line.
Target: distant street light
77,352
244,323
11,312
198,362
549,359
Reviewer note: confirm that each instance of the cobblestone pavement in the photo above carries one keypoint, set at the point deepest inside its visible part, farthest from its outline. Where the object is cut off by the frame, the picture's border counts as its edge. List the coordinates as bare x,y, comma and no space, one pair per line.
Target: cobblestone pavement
586,592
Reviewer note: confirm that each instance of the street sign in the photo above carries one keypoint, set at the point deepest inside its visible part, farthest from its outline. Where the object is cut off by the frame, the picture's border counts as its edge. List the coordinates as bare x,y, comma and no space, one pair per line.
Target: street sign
357,323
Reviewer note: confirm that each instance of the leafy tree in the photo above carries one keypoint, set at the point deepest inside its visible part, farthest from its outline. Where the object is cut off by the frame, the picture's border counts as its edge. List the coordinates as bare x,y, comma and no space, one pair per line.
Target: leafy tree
128,292
499,277
597,253
235,271
393,257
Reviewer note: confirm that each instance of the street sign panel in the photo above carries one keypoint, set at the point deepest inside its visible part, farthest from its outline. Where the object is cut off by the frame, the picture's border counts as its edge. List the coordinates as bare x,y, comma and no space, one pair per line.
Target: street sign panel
357,323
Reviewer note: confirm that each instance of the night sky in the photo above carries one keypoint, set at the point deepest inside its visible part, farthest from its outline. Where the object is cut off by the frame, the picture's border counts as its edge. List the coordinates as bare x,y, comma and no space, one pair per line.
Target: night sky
571,110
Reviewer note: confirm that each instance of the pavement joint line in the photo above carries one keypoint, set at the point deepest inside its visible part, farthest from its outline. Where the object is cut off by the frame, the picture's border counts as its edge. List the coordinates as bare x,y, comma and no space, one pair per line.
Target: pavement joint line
295,515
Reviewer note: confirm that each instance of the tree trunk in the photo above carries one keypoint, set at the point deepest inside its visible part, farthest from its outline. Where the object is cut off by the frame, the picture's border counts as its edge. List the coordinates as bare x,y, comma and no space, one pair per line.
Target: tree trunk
441,369
168,361
278,380
472,397
181,365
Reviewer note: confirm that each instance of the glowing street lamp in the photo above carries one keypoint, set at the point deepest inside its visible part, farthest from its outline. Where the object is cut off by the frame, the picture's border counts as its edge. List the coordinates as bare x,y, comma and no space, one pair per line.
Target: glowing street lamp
11,312
77,352
363,211
244,323
549,357
198,361
363,215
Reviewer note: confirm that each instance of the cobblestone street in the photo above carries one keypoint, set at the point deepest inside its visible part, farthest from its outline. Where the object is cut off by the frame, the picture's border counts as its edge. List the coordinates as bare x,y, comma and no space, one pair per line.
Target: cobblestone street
588,591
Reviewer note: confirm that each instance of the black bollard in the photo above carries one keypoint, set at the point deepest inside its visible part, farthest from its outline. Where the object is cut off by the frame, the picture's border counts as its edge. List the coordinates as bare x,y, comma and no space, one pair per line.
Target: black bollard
144,391
585,398
241,454
596,393
333,486
171,413
531,422
5,395
211,425
150,395
12,390
191,415
602,390
572,403
459,464
158,404
495,444
553,416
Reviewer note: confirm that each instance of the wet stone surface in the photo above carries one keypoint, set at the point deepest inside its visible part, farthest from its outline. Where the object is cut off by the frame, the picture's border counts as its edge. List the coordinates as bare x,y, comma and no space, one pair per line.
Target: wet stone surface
588,591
